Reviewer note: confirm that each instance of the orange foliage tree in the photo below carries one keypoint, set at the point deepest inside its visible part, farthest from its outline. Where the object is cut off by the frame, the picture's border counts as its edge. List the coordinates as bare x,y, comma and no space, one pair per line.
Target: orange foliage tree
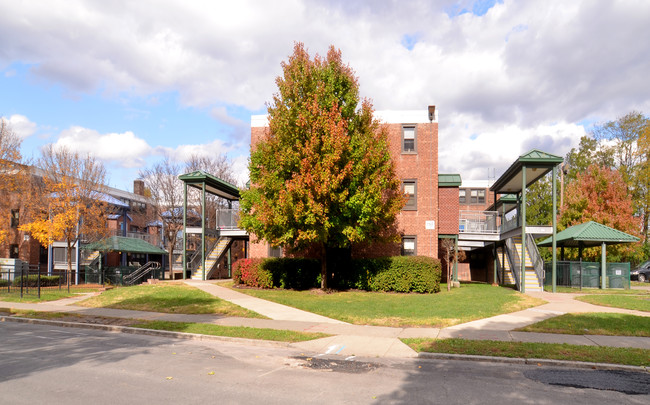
70,202
600,194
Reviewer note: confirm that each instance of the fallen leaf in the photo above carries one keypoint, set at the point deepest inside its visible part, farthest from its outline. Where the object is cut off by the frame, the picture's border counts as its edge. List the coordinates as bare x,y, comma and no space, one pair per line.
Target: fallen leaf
169,378
211,373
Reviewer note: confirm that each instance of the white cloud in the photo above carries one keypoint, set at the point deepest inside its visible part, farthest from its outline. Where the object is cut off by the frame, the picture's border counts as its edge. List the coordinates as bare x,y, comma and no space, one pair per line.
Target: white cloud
182,153
523,69
21,125
123,149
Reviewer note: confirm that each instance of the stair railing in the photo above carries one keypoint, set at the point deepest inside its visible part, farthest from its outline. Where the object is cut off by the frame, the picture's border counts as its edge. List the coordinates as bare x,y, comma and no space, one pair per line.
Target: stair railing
208,271
513,259
140,272
536,258
195,260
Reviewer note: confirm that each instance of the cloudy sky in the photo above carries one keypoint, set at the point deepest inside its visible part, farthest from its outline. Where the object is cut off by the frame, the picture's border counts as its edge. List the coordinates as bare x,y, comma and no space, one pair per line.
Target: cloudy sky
132,81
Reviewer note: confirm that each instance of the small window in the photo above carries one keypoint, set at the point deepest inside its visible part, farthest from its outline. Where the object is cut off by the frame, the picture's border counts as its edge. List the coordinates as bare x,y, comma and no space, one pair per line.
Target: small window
462,196
477,197
410,189
13,251
409,246
275,251
15,218
408,139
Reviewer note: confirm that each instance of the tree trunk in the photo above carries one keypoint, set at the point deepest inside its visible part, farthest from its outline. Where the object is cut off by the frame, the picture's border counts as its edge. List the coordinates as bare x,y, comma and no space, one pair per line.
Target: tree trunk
170,250
323,268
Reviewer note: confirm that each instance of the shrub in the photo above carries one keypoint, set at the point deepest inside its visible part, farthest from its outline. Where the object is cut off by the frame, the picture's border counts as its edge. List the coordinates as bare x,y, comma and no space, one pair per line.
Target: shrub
298,274
251,273
32,281
400,273
3,282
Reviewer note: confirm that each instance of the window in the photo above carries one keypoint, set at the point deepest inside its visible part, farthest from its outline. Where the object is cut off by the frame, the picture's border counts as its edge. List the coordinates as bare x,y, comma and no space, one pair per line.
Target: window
410,188
409,245
275,251
408,139
15,218
477,197
13,252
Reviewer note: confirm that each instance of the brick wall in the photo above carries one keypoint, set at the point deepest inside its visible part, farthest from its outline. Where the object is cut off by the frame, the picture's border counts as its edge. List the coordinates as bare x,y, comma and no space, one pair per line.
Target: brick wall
448,218
421,166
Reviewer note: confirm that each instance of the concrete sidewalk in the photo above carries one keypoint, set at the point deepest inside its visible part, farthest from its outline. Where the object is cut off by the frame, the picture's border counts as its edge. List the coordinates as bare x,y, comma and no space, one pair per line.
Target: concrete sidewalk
364,340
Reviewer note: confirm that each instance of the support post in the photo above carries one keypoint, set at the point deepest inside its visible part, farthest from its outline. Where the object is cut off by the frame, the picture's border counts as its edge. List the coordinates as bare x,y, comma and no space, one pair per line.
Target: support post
455,276
203,230
603,267
171,265
523,229
554,253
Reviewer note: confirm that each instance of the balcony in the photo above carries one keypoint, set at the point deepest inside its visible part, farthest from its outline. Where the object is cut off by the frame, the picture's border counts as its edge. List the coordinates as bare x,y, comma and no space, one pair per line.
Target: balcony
478,222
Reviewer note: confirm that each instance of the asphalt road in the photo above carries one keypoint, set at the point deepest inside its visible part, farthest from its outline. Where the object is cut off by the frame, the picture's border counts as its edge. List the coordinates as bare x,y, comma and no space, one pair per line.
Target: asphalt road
46,364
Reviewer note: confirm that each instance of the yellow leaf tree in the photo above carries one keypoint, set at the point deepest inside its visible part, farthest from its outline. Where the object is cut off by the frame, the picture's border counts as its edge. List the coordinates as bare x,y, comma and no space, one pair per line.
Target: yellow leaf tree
70,202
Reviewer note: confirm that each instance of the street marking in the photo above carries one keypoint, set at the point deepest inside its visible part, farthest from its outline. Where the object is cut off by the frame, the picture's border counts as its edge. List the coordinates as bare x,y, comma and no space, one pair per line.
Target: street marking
339,351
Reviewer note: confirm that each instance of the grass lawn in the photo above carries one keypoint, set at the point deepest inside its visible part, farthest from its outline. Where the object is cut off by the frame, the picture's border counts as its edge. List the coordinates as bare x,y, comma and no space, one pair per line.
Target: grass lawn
46,295
470,302
231,331
598,291
593,324
638,302
594,354
175,298
186,327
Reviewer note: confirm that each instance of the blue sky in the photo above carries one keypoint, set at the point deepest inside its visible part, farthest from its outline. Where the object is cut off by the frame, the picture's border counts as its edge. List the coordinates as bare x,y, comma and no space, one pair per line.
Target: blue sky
132,82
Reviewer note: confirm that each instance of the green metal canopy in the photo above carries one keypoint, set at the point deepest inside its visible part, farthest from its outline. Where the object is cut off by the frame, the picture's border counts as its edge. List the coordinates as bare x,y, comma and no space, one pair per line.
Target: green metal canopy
124,244
589,234
213,185
536,164
449,180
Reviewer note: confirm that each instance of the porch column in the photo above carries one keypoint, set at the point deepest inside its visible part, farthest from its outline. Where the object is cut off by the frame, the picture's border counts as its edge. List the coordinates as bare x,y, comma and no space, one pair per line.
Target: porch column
554,236
523,229
603,266
171,265
203,230
496,257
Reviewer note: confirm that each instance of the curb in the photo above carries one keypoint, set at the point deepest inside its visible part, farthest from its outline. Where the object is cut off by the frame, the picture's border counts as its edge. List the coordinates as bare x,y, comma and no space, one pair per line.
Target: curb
536,362
148,332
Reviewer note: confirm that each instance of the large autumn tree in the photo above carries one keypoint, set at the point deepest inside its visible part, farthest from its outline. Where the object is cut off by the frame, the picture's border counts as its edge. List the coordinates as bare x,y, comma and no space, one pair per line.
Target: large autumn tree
10,176
322,175
69,201
599,194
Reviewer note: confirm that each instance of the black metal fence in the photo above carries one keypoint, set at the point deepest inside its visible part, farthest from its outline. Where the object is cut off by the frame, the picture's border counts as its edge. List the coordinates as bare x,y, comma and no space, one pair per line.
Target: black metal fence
587,274
31,281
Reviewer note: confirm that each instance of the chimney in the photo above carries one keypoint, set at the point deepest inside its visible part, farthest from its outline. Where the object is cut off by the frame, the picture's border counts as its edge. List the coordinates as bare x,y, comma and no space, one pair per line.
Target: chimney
138,187
432,113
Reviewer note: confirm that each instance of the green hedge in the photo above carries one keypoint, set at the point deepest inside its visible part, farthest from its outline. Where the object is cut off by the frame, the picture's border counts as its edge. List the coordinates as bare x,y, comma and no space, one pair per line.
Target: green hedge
400,273
32,281
3,282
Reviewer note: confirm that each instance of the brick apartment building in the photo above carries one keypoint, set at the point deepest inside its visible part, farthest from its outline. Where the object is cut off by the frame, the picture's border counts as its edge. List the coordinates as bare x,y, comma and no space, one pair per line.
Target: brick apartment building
431,211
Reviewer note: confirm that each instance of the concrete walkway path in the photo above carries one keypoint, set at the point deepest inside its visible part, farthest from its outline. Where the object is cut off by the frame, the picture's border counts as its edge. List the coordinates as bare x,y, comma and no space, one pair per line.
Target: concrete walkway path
364,340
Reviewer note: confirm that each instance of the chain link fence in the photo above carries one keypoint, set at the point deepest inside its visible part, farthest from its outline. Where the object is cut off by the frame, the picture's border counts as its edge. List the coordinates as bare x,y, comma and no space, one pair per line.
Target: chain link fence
587,274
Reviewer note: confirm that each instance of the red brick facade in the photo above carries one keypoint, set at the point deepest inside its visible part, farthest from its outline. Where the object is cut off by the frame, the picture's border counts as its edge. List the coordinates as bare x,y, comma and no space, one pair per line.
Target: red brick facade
417,165
449,206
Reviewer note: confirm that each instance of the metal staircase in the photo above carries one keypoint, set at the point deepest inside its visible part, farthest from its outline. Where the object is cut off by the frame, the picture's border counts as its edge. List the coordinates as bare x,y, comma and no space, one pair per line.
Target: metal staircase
215,252
504,267
534,274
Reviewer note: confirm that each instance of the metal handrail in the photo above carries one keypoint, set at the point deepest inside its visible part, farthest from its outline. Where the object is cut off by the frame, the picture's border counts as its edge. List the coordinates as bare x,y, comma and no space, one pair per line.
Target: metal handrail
195,259
130,279
483,222
538,263
513,259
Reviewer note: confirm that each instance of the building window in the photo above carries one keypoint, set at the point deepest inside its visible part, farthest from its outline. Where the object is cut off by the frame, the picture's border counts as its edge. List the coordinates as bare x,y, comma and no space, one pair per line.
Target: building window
410,189
477,197
15,218
13,252
409,246
408,139
275,251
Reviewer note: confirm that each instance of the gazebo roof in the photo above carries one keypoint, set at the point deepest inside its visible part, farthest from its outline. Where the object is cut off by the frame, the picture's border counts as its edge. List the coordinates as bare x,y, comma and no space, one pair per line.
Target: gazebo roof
589,234
213,185
124,244
537,164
